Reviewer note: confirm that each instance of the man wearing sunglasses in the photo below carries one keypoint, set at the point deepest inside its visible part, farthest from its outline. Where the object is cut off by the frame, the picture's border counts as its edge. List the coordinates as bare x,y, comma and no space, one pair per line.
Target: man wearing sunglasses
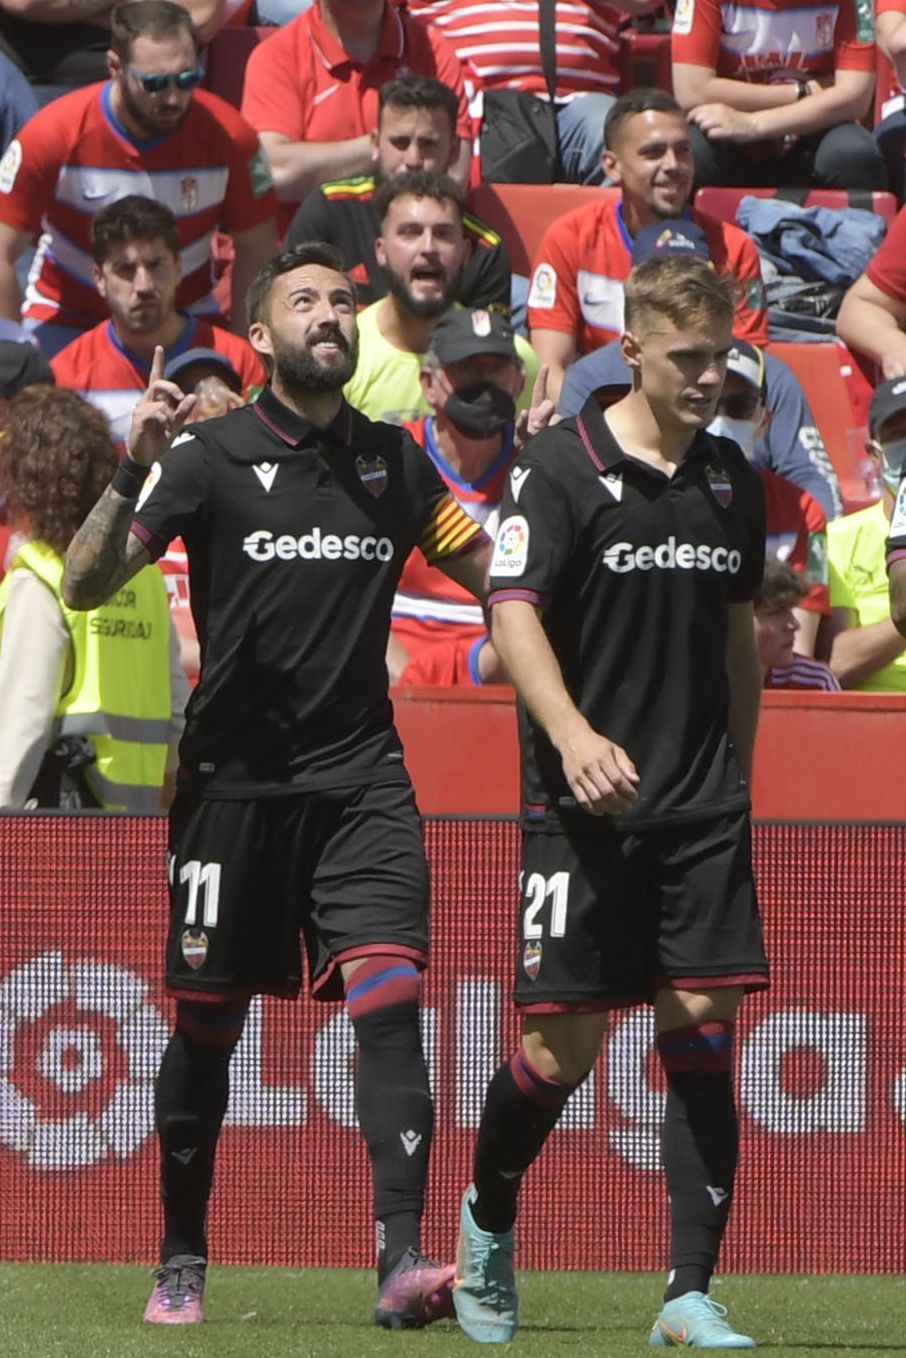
148,130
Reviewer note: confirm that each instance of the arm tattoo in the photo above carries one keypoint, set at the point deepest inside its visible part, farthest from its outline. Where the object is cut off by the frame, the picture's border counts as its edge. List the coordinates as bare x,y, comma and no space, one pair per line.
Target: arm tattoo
102,555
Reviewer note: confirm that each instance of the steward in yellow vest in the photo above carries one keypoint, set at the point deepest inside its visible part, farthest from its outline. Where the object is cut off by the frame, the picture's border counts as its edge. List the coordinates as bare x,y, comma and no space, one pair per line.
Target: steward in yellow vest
119,697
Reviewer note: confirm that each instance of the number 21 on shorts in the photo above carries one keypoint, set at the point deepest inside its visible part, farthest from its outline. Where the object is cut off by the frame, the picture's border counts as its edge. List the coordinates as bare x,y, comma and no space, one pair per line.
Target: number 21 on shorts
537,890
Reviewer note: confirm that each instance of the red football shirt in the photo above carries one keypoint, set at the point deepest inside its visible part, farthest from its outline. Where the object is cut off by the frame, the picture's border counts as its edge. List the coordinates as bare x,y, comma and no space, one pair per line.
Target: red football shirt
301,82
75,157
586,255
108,374
769,40
887,268
501,41
796,532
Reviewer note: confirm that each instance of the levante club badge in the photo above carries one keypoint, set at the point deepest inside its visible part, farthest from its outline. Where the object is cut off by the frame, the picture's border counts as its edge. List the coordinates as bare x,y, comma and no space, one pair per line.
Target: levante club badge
372,474
194,944
721,486
531,960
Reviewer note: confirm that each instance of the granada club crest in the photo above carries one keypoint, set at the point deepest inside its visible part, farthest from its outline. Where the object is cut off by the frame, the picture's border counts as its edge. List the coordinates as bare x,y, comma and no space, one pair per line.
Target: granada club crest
188,193
824,31
372,474
721,486
531,960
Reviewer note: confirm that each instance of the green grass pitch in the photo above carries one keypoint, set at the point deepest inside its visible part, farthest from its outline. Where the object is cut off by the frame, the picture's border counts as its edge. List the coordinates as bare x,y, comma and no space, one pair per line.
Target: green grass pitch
94,1311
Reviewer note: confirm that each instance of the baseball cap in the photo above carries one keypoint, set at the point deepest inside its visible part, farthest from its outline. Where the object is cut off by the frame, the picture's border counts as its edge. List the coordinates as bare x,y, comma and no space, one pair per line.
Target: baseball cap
675,236
461,332
180,362
889,400
21,365
747,362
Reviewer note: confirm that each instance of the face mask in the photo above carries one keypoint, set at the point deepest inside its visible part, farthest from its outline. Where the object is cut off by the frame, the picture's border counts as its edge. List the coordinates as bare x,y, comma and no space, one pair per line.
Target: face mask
893,456
480,410
741,431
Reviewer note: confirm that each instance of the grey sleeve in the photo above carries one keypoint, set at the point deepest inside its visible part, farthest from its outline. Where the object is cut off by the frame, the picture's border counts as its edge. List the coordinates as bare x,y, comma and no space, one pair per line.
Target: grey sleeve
792,445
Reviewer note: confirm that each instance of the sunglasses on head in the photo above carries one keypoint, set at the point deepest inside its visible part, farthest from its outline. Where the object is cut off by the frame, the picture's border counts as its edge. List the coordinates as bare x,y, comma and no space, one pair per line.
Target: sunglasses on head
156,84
740,406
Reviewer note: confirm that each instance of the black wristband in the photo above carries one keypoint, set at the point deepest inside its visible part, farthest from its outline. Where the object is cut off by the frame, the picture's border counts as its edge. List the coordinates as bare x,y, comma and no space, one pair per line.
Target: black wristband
129,478
802,90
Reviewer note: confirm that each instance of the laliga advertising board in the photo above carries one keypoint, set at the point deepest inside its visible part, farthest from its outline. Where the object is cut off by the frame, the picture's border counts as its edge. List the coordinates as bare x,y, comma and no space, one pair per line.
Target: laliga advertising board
83,1022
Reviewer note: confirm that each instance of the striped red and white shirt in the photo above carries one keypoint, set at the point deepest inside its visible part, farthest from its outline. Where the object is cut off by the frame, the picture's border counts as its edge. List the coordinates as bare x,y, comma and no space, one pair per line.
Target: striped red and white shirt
764,41
803,672
75,157
501,40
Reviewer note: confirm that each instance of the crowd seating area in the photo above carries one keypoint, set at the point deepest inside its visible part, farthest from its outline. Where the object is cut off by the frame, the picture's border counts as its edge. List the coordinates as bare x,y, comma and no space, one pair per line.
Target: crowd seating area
757,416
838,384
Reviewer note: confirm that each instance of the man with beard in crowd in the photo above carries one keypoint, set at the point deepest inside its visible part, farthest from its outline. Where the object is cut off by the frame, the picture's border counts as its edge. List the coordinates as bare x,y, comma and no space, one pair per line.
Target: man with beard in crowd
294,814
148,130
423,250
135,244
416,130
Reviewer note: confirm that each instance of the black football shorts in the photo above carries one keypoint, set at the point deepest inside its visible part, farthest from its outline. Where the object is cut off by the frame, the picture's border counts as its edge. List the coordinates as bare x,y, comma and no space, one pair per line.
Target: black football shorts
344,869
608,918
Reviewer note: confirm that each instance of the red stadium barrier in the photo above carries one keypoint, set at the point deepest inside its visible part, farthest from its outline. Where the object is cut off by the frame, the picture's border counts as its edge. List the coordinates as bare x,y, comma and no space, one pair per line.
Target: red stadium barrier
83,1021
819,756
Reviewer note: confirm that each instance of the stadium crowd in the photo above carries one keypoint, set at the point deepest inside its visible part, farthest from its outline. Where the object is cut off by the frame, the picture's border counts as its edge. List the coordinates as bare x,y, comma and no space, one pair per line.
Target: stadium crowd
155,159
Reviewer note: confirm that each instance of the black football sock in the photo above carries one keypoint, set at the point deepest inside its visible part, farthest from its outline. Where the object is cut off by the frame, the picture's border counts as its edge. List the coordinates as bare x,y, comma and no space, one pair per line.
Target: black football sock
521,1110
190,1101
393,1100
700,1146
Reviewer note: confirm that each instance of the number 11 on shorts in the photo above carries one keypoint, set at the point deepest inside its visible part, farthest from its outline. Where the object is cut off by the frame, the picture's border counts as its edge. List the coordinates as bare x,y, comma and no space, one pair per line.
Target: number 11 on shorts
203,879
538,889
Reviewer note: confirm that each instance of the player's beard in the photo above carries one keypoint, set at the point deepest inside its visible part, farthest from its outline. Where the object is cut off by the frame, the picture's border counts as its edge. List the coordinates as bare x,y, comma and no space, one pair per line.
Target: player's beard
422,308
299,371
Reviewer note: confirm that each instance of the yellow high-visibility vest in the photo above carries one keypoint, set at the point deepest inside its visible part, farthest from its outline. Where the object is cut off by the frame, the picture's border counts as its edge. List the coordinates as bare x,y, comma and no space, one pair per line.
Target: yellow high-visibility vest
120,695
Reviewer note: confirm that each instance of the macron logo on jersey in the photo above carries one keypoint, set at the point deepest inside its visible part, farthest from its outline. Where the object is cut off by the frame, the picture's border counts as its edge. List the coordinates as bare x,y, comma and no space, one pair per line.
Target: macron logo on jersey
613,482
265,472
263,546
671,555
518,478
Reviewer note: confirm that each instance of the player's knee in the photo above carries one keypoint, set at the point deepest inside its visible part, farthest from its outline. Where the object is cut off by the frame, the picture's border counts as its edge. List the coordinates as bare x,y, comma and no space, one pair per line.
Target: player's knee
675,1008
213,1029
566,1050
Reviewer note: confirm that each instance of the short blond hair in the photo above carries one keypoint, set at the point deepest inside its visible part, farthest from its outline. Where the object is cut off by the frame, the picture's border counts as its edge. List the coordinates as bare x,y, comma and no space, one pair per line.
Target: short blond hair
679,288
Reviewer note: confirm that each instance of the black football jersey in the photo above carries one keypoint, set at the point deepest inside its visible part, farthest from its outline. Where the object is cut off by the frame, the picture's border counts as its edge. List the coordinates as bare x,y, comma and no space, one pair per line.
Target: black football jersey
633,571
296,537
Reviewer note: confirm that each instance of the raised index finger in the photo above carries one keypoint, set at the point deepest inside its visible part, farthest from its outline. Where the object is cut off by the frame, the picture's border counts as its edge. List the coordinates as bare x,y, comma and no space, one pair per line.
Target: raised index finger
157,365
539,390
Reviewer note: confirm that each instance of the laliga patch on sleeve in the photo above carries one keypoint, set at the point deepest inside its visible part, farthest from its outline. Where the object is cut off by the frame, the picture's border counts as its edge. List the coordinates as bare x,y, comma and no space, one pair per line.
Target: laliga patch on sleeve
755,296
683,16
816,571
260,174
151,481
898,518
865,21
543,292
511,547
10,166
